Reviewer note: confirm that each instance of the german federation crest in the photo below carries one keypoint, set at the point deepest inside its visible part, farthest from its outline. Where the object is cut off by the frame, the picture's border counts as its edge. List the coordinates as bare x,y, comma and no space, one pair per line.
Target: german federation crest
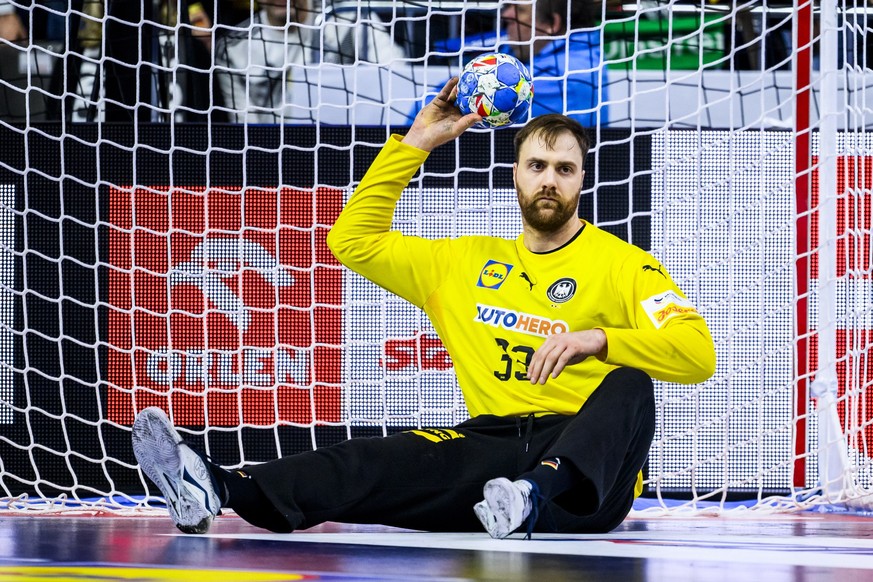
562,290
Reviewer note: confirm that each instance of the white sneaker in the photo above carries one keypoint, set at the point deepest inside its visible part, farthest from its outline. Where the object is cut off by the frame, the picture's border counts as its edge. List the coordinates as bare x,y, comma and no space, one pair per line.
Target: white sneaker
505,507
179,472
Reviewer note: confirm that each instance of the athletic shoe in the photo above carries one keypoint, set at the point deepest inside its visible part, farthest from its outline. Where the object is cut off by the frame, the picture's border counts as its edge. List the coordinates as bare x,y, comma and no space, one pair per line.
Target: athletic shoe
506,505
181,473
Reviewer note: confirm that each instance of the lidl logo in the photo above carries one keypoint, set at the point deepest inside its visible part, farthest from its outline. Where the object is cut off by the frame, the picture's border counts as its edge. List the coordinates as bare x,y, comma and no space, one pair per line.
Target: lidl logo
493,274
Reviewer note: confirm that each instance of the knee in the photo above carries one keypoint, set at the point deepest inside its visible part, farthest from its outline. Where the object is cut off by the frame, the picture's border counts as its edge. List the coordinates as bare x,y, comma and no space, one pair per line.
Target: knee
635,386
631,377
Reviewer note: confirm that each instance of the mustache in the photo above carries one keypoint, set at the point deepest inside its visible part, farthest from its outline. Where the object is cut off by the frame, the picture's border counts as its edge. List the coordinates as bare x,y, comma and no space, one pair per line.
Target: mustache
550,193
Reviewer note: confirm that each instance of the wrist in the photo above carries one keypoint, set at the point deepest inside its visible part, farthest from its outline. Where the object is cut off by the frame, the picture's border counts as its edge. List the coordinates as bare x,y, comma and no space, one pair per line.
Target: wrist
415,139
604,344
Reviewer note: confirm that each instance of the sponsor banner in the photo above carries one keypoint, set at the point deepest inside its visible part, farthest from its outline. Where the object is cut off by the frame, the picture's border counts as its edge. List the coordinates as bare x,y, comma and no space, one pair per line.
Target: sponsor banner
854,336
224,305
721,225
415,354
519,321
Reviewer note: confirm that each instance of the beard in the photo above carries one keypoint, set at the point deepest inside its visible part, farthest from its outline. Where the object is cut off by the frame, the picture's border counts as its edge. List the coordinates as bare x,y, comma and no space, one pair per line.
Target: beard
546,212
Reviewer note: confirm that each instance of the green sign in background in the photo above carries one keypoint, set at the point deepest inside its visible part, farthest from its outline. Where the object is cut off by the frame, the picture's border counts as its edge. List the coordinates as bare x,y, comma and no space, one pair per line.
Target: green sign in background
681,42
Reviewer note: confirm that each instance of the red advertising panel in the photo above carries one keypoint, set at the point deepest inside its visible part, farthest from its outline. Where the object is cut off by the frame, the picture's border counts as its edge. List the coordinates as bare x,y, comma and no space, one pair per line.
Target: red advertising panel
224,305
854,210
421,352
853,226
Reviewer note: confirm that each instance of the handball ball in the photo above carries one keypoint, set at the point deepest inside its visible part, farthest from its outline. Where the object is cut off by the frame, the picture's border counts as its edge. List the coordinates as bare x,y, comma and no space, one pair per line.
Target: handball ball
497,87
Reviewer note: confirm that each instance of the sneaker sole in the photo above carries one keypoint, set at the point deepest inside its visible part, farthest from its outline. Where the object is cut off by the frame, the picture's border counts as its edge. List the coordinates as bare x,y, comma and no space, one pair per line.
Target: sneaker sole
499,494
486,518
156,448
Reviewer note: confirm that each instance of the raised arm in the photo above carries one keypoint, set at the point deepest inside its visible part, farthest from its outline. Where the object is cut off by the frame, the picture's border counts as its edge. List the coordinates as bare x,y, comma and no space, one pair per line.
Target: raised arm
362,239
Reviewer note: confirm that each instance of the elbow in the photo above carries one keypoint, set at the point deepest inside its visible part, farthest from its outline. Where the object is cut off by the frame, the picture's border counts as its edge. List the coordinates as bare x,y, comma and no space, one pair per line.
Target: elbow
702,369
351,251
702,374
332,240
701,360
692,366
338,245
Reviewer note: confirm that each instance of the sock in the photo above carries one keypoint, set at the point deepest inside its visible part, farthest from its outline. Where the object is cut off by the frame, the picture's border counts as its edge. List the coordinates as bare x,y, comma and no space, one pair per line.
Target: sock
551,477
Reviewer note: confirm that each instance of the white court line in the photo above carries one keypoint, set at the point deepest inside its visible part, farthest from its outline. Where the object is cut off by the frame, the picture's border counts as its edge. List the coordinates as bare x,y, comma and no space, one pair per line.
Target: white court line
811,551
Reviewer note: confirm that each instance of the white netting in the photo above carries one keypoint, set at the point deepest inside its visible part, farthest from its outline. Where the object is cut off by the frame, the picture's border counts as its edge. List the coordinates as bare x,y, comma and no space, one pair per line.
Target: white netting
169,171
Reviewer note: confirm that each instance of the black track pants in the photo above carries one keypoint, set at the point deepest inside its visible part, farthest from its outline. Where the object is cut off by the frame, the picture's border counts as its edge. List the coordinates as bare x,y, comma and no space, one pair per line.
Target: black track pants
430,479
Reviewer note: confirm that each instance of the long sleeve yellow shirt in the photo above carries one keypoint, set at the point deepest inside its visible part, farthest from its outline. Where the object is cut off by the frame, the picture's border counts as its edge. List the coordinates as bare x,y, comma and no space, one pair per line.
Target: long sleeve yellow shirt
493,302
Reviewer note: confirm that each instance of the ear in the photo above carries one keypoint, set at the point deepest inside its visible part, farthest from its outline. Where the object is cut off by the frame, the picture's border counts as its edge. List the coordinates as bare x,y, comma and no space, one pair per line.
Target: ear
556,24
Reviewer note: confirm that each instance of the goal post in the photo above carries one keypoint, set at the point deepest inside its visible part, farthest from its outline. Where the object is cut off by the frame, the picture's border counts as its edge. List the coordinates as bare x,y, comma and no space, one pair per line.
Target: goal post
163,240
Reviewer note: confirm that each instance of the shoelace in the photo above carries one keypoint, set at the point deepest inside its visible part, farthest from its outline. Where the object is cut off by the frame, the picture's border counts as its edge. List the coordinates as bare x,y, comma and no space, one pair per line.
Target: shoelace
534,514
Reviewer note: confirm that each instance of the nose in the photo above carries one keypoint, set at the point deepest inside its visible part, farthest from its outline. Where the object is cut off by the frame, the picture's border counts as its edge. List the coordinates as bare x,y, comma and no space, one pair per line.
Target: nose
549,178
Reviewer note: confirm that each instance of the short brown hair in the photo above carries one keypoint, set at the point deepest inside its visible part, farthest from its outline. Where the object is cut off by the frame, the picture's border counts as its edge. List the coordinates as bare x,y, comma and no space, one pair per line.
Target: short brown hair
549,127
574,14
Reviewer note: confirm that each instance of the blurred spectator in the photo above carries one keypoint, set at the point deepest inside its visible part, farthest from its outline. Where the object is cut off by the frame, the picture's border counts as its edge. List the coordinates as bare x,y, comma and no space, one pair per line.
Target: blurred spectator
253,59
201,24
11,27
559,42
53,14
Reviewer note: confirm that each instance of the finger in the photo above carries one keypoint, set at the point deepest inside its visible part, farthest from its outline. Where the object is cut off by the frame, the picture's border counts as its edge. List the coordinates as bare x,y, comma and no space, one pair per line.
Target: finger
544,373
446,93
468,121
536,364
545,360
561,363
538,361
549,364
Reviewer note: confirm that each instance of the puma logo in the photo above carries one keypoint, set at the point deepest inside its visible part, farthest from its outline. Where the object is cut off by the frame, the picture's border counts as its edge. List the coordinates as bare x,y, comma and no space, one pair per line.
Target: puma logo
526,278
651,268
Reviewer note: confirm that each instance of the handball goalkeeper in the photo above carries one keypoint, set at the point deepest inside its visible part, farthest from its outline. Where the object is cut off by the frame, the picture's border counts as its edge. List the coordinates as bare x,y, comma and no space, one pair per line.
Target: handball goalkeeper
555,338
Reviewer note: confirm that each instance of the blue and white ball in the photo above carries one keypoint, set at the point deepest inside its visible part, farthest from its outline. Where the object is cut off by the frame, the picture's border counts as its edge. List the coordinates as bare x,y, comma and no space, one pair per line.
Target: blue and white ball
498,87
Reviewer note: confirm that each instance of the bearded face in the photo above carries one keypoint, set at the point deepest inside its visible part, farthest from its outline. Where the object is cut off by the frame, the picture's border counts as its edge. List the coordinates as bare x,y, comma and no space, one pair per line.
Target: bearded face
547,211
548,179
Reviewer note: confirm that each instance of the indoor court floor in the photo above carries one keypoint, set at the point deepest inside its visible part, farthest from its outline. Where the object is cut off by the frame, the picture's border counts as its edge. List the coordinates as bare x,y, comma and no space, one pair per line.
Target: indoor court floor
749,546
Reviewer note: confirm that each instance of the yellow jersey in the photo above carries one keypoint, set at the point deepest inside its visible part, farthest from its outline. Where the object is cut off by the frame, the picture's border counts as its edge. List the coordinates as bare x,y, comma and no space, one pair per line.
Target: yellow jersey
493,302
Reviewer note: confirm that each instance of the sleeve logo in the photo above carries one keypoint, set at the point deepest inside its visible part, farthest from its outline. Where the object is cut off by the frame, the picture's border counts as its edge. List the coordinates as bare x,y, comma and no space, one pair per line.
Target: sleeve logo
663,306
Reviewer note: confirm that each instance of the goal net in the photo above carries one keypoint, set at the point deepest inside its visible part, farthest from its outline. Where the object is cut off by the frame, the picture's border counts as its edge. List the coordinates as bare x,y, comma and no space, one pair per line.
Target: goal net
169,171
